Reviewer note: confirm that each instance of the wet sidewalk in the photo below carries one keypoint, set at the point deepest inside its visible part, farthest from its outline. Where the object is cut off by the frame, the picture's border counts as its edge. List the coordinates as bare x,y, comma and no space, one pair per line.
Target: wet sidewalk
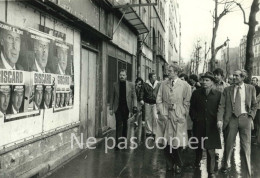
146,163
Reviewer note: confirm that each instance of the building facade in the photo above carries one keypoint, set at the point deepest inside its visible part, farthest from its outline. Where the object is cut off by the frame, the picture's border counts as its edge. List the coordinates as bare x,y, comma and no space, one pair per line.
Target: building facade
99,38
256,51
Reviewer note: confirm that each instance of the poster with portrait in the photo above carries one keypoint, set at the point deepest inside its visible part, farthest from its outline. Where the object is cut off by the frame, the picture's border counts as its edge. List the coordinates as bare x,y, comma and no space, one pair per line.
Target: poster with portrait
41,91
44,66
64,93
14,94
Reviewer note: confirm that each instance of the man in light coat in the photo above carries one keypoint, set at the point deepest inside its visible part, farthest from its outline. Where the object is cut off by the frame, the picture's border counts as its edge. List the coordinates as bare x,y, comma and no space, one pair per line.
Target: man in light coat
173,101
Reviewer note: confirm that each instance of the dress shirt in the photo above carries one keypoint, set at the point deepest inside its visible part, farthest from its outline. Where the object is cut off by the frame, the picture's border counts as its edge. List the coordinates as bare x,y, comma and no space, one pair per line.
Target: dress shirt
243,97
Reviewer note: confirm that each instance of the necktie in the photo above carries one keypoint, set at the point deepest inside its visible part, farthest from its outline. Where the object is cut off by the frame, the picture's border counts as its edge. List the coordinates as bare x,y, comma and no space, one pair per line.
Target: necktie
172,83
237,111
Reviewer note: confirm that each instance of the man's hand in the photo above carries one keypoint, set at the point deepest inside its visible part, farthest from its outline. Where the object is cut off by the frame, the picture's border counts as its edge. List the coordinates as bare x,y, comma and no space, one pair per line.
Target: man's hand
220,125
111,112
252,124
142,102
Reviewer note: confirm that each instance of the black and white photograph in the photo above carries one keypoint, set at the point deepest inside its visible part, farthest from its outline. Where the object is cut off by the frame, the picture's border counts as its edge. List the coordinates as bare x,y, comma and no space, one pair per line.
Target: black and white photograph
130,88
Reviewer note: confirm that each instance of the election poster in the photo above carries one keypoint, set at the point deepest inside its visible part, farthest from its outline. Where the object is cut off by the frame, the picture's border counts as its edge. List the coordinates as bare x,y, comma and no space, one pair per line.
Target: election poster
64,93
36,73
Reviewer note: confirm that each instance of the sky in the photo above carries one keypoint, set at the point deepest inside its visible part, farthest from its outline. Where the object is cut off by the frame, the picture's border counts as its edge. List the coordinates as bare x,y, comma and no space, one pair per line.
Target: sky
197,23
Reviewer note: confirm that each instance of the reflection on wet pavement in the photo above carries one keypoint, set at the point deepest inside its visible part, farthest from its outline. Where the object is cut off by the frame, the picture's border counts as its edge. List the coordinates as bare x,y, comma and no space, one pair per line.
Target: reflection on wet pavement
148,163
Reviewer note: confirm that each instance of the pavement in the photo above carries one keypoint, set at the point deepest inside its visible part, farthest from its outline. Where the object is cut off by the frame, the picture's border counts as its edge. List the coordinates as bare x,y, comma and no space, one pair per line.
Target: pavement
147,163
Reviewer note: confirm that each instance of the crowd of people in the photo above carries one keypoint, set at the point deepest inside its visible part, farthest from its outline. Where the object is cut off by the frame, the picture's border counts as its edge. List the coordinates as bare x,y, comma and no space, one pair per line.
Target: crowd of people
207,107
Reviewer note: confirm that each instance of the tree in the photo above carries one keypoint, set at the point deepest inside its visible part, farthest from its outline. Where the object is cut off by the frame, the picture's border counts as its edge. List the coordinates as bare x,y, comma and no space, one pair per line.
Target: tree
252,22
228,6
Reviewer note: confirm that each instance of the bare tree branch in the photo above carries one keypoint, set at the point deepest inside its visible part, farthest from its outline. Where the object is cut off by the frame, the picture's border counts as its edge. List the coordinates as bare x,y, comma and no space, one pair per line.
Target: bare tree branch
221,46
243,11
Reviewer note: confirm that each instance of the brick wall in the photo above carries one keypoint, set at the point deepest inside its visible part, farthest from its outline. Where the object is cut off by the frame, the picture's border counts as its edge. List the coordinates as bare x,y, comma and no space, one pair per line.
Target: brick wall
39,157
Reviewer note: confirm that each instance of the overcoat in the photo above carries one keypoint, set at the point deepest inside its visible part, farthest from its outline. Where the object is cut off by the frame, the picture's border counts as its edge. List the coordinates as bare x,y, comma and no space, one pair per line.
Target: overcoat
203,112
173,105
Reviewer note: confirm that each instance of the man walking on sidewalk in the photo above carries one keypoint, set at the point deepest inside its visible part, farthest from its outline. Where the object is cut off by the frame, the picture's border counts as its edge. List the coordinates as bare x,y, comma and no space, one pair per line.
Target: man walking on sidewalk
150,91
237,110
173,103
123,103
204,105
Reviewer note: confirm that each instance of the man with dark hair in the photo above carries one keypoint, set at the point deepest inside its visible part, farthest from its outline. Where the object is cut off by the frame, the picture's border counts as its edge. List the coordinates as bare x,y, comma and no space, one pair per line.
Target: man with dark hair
150,90
184,77
10,42
236,112
219,76
123,103
194,82
256,131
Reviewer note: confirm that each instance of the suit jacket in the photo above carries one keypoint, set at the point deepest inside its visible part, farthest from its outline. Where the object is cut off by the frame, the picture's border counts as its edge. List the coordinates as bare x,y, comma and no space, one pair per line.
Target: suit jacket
130,96
17,66
203,111
227,106
34,68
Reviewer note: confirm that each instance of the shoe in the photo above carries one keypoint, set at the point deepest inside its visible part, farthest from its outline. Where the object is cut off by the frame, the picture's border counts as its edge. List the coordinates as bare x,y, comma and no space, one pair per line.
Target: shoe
212,175
225,170
177,169
196,165
217,156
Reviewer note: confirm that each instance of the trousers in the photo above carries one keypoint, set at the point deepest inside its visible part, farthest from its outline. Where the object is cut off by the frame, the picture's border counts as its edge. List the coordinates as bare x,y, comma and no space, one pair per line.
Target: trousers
121,122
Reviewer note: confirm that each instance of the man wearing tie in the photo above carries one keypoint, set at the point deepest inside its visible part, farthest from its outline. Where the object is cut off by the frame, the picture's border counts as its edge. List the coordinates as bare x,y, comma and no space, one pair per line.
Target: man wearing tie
237,110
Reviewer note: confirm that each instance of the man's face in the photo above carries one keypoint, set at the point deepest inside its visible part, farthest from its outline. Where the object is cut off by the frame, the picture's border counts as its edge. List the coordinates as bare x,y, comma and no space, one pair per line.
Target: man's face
4,101
237,77
207,83
230,79
17,99
10,43
57,99
41,50
67,98
153,78
192,82
62,57
38,97
218,77
171,73
139,84
122,76
47,97
61,99
254,82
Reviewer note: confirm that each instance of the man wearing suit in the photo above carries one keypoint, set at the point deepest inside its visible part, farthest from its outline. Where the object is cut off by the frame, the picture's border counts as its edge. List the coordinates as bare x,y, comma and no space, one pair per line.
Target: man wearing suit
17,99
40,56
5,91
236,112
10,50
62,55
38,97
123,103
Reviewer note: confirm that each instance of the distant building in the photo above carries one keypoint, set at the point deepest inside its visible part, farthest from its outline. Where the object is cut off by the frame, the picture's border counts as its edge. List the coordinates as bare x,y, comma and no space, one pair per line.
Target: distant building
256,51
229,60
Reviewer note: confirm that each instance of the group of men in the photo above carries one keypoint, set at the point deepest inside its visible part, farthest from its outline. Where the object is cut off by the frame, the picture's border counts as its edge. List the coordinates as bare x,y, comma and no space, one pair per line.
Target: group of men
213,105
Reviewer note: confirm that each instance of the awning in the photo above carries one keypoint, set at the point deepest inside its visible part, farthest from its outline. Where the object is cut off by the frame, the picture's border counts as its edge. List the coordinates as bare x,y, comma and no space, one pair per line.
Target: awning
133,19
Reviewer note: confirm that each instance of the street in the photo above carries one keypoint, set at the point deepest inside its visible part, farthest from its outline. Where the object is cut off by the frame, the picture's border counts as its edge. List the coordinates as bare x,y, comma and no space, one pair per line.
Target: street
143,163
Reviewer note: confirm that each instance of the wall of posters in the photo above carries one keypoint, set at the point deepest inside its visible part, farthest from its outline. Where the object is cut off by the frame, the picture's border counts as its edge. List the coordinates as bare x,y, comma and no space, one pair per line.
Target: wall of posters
36,83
